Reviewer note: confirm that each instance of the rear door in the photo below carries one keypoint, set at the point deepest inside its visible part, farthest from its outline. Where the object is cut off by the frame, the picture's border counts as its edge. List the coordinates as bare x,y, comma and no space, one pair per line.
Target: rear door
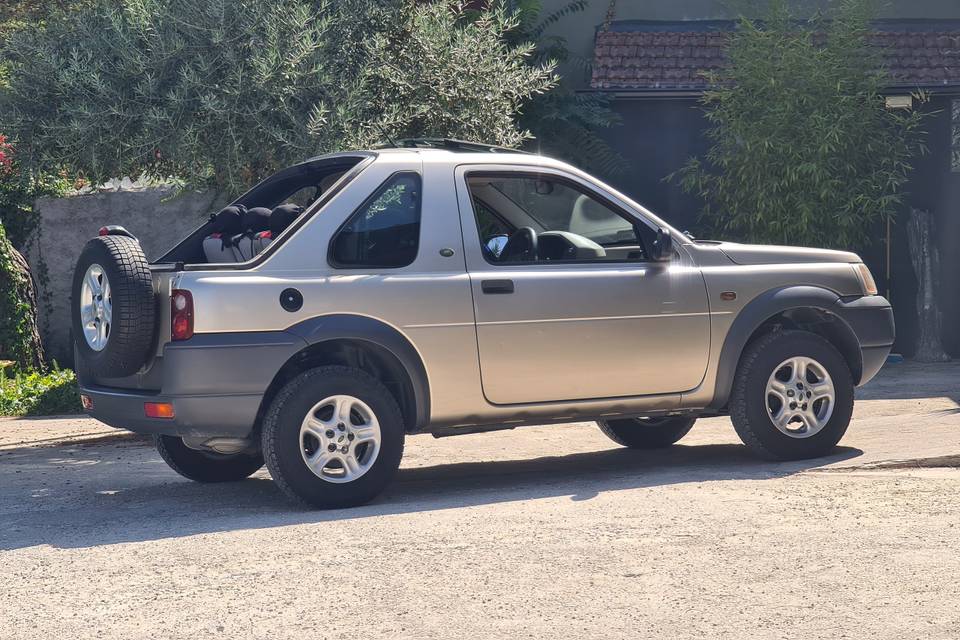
592,321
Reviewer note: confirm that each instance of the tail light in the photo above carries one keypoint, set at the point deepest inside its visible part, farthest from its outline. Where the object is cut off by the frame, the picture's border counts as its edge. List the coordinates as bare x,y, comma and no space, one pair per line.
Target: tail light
158,410
181,315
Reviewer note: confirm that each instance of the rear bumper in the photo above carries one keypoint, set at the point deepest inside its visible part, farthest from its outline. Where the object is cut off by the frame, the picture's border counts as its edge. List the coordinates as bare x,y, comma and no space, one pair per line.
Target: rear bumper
198,416
871,319
215,382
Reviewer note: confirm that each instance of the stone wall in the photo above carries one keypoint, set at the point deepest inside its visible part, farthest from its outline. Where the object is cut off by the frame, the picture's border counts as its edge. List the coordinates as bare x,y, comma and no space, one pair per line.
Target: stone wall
157,217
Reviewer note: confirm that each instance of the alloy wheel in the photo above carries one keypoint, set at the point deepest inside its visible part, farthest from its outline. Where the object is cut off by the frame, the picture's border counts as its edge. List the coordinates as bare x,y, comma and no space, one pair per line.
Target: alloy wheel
340,439
96,307
800,397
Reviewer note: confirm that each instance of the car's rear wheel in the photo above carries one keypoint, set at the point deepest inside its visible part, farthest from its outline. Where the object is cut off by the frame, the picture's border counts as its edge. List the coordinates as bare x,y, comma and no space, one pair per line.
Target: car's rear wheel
647,433
206,466
792,396
333,437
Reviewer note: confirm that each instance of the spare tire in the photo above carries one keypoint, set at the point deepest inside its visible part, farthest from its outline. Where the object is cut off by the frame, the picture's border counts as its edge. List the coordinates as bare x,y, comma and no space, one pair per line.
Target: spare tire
113,306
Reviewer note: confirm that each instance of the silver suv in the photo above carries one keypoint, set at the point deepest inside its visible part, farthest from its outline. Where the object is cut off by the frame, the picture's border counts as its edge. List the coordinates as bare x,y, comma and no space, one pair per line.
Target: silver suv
447,288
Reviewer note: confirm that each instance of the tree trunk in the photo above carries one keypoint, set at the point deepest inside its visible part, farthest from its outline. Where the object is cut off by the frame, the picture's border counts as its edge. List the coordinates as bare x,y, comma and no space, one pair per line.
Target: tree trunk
926,266
20,334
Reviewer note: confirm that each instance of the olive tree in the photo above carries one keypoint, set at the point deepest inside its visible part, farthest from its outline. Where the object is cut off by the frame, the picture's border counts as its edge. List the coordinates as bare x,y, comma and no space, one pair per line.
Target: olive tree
223,92
803,150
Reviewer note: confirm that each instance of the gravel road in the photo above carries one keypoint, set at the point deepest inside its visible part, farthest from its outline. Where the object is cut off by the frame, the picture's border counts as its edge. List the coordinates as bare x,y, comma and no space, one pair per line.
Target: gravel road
541,532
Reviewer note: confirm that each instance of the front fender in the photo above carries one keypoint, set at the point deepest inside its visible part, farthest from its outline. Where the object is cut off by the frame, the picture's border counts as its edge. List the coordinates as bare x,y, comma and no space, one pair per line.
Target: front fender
768,305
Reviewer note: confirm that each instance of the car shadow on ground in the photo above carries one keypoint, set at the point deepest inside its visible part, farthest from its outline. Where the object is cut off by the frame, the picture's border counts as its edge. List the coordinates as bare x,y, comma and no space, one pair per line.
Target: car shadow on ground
82,496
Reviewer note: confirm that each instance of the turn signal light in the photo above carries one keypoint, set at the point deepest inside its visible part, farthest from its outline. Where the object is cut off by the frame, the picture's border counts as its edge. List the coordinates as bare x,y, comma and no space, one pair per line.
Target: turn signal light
181,315
158,409
866,279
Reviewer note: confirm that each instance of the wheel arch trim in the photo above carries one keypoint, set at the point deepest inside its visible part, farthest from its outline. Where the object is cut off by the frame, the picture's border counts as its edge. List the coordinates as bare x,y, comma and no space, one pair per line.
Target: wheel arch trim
365,329
762,309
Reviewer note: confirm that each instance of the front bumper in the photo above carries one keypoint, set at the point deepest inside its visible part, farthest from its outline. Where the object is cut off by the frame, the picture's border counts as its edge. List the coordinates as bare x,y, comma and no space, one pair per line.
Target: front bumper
871,319
215,382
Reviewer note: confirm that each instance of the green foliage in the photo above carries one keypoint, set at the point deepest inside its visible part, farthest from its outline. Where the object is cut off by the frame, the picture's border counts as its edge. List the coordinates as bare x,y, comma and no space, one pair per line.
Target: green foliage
441,73
18,338
803,149
564,123
19,190
39,394
224,92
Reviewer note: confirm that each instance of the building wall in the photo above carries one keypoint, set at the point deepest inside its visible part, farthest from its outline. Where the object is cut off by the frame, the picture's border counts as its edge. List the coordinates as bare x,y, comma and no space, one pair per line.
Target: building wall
579,29
156,216
658,136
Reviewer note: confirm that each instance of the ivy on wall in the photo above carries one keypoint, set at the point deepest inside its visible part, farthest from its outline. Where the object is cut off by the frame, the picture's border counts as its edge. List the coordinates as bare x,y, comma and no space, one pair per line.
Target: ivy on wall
19,189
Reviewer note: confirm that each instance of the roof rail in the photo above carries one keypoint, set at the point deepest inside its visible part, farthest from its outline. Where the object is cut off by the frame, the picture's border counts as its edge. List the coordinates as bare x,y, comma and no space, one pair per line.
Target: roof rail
448,143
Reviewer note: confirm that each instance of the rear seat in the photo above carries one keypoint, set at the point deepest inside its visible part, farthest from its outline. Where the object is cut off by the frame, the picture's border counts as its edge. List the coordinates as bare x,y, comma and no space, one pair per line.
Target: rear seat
280,218
218,246
253,222
240,234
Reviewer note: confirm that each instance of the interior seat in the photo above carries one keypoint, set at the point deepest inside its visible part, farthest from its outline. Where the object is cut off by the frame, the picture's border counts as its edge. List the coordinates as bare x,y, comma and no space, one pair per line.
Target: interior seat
218,246
591,219
253,222
280,218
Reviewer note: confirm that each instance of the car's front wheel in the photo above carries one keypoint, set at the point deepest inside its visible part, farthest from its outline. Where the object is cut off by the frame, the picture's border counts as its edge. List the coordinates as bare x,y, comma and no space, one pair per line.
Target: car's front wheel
792,396
333,437
647,433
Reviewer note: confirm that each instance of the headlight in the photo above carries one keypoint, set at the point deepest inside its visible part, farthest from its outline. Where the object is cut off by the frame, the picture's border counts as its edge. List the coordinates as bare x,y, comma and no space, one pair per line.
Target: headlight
866,279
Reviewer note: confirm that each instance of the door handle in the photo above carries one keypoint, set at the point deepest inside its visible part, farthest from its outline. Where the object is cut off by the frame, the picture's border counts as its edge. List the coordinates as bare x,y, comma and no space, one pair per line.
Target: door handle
496,286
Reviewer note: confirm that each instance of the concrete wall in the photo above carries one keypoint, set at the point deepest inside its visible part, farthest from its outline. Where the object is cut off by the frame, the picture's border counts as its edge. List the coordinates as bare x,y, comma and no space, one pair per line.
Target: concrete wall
579,29
155,216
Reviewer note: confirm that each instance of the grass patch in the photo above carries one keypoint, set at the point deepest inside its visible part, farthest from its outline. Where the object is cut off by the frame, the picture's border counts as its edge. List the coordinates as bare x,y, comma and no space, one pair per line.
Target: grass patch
39,394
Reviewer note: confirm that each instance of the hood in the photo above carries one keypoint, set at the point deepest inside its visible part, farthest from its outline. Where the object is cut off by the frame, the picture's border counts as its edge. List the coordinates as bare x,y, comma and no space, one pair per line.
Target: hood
750,254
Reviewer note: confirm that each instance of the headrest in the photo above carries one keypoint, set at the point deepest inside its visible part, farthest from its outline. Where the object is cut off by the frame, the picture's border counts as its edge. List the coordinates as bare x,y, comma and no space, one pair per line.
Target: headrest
229,220
283,216
256,220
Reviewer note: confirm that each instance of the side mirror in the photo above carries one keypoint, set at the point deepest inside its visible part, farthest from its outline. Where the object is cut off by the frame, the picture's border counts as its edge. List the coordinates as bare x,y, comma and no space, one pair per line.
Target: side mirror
662,249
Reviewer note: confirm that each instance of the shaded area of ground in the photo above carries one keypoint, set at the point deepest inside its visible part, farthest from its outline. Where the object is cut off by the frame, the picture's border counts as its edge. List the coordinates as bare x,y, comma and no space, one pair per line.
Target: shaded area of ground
537,532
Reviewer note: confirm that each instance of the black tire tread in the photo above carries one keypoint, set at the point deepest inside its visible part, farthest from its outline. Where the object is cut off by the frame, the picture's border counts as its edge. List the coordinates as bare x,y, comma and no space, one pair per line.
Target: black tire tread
194,465
674,429
134,308
271,421
738,406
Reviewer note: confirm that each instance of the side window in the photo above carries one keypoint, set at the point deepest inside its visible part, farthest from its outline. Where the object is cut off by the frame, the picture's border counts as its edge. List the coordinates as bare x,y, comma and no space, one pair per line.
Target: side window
535,218
385,230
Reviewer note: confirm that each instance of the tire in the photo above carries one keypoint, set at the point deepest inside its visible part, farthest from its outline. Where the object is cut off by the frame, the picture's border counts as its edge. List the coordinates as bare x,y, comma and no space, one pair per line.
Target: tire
289,441
124,275
206,466
754,406
647,433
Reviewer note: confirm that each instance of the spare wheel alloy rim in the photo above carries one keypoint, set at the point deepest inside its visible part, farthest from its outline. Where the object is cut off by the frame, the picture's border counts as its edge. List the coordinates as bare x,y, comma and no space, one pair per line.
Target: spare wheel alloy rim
96,307
340,439
800,397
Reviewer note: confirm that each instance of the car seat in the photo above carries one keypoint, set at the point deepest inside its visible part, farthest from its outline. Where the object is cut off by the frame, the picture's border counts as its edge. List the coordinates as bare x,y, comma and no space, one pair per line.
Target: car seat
218,246
591,219
253,222
280,218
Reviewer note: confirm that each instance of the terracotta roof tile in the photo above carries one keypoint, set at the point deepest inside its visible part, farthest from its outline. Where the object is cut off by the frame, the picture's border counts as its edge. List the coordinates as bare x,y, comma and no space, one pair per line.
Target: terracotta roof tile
659,56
